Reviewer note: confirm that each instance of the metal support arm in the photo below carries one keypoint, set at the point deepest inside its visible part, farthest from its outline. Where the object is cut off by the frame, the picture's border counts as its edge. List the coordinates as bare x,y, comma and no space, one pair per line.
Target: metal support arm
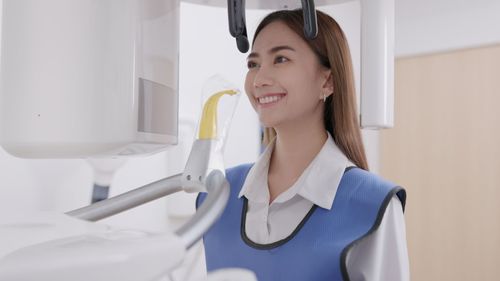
218,195
211,209
129,200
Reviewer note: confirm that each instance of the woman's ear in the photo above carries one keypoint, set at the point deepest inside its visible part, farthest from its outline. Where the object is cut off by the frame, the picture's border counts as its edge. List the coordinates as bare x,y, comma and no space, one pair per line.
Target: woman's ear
327,87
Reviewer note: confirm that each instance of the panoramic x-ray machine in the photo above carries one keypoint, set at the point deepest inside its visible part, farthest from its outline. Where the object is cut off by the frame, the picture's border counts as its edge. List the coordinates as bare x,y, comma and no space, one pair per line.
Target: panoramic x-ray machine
99,78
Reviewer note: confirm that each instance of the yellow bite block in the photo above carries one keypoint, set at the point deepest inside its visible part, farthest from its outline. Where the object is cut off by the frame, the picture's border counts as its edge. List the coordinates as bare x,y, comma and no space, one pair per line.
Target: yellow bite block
208,125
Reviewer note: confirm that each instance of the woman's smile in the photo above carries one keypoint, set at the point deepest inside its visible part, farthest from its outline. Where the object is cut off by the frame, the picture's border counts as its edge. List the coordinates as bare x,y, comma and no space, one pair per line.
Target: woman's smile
269,100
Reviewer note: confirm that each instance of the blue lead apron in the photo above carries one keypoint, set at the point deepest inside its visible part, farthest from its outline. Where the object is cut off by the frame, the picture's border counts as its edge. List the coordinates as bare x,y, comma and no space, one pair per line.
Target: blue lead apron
317,249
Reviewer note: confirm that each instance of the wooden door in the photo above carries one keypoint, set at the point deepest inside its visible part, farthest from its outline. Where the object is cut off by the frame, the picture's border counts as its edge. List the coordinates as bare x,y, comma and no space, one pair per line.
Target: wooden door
445,150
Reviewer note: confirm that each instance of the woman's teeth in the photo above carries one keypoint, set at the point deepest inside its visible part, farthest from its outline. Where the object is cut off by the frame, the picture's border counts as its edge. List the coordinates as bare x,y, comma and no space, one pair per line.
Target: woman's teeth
269,99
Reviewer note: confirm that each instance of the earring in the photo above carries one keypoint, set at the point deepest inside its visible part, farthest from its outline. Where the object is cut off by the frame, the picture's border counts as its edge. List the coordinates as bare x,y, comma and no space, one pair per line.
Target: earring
324,97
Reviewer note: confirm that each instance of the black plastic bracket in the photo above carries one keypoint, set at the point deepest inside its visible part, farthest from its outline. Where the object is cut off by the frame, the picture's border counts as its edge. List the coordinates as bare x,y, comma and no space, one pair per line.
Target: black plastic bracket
310,19
237,24
238,29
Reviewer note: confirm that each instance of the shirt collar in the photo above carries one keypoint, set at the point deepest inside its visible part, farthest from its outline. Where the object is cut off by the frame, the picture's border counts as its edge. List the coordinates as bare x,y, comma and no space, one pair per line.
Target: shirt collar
255,187
318,183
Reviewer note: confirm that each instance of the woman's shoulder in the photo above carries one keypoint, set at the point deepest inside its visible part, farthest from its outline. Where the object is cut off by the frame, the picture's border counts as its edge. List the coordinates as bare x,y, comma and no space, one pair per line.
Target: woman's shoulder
366,178
362,181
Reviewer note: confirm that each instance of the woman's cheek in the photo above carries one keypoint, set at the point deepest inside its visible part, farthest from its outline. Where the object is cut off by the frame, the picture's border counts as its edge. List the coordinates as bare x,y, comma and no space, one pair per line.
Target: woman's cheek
252,100
249,91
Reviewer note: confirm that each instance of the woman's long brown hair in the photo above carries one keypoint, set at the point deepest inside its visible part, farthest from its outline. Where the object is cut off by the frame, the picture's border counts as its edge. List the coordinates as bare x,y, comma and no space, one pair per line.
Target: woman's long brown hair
331,48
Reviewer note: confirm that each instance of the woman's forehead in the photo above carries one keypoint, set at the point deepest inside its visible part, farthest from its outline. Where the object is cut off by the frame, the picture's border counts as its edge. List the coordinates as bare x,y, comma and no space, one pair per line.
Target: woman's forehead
277,34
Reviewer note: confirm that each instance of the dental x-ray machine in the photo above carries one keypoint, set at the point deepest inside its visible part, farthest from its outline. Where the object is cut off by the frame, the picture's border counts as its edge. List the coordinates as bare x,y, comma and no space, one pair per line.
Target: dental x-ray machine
99,78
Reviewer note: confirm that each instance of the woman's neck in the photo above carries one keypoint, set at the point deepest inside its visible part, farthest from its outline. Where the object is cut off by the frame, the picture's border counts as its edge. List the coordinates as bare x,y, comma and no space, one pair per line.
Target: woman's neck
295,147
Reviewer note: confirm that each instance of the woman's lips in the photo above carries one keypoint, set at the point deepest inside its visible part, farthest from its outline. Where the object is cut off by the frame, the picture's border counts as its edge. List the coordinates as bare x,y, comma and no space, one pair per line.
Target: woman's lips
270,99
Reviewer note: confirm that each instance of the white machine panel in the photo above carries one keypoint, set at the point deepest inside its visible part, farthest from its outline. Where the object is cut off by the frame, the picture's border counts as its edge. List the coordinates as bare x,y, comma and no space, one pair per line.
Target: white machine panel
88,78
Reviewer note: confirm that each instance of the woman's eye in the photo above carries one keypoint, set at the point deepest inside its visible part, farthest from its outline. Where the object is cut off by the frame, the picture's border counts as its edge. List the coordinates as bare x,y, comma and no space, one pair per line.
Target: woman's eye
280,59
251,64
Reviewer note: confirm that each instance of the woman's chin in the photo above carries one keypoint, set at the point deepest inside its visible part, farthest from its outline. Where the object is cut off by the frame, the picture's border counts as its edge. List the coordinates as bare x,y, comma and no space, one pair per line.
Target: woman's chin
267,122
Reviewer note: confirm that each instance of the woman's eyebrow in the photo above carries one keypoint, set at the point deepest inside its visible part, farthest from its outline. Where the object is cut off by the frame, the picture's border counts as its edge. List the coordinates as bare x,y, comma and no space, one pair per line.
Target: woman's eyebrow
271,51
279,48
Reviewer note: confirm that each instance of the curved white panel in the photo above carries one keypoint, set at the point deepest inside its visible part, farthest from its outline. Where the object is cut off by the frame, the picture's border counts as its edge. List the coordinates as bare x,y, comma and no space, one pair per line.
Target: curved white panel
70,77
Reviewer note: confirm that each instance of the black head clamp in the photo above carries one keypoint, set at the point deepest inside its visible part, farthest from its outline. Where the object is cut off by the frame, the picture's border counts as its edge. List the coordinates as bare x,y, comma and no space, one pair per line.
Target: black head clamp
238,29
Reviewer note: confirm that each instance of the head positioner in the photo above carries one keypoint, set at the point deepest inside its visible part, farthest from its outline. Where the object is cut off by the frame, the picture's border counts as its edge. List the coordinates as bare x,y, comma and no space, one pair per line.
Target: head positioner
237,25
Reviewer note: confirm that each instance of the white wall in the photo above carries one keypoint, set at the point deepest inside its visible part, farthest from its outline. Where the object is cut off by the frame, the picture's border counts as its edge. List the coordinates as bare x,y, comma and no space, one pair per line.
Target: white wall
208,49
429,26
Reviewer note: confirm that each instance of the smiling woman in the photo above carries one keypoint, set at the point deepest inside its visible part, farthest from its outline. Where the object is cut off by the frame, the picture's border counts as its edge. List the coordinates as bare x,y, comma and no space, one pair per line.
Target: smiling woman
308,209
285,82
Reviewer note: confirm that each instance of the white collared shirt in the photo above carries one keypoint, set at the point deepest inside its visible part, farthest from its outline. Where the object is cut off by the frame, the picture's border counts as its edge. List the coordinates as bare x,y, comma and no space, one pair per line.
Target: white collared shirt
381,256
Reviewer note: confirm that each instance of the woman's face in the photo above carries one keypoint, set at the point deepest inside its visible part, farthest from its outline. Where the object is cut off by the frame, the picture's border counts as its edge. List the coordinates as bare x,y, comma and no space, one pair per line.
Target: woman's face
285,82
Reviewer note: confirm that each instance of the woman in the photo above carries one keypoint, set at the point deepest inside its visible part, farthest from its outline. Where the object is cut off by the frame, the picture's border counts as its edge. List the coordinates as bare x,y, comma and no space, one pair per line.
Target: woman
308,209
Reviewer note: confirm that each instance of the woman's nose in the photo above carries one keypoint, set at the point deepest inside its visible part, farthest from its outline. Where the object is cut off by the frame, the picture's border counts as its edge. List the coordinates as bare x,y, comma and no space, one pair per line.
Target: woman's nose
263,77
